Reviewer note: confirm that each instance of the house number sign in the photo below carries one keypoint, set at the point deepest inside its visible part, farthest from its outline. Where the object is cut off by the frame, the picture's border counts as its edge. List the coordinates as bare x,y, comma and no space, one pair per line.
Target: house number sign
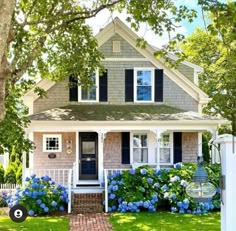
52,155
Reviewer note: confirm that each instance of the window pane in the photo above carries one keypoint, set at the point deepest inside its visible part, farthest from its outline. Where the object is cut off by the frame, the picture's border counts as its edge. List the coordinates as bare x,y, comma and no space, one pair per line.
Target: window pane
52,143
165,141
89,93
165,155
140,141
88,147
136,141
144,78
144,93
140,155
144,140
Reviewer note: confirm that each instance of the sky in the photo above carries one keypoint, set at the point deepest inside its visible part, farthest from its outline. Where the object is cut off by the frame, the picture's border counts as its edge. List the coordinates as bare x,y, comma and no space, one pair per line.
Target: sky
104,17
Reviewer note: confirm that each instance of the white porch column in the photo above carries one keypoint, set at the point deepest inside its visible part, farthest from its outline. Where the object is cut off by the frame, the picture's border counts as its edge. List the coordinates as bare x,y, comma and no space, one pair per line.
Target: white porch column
228,163
31,153
158,133
101,138
199,143
215,158
23,167
5,160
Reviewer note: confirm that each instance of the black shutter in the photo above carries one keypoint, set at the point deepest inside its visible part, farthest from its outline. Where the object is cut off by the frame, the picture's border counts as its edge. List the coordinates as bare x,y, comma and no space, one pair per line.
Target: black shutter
158,85
103,87
73,90
129,85
125,148
177,147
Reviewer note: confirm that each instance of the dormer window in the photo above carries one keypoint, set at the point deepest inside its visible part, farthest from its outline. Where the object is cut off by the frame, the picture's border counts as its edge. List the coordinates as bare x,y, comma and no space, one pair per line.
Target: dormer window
144,85
90,93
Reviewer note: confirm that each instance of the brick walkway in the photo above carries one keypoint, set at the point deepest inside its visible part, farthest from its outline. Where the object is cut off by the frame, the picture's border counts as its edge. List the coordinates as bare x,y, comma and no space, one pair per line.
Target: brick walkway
90,222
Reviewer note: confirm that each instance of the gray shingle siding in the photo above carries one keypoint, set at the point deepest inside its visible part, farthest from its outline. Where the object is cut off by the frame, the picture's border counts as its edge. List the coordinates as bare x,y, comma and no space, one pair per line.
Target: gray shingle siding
127,51
187,71
116,78
174,96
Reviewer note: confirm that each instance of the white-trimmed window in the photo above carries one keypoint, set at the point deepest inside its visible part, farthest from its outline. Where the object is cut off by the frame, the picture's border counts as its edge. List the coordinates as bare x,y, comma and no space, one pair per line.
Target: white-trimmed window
52,143
144,85
140,148
166,150
90,93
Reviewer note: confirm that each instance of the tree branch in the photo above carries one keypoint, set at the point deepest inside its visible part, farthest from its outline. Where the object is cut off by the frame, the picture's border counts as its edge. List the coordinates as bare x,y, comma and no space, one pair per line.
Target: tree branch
78,15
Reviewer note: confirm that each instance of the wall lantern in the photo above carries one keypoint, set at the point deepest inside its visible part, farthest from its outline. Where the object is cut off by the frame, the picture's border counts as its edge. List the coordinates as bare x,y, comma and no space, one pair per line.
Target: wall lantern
69,146
201,190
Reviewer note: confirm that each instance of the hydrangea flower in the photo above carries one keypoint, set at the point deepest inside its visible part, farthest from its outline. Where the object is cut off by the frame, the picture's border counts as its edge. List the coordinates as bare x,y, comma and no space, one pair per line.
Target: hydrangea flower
42,206
61,208
54,204
115,188
174,179
156,185
132,171
150,180
174,209
165,188
39,202
178,165
112,196
173,196
143,171
46,209
31,212
184,183
166,195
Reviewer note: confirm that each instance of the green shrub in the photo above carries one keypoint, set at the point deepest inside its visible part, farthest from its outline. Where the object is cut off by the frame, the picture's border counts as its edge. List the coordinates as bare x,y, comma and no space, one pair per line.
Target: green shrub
19,175
1,174
10,175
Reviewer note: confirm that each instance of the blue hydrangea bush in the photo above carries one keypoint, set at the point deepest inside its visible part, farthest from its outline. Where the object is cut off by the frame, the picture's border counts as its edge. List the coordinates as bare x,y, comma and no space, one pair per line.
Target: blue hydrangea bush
40,196
3,199
147,189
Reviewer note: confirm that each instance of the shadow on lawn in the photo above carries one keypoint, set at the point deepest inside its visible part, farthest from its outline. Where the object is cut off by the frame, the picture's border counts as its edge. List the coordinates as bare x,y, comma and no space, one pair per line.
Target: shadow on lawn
165,221
35,224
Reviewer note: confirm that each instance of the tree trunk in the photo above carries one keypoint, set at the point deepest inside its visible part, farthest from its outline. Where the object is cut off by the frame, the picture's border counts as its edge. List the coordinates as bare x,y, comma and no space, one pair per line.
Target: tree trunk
6,14
2,97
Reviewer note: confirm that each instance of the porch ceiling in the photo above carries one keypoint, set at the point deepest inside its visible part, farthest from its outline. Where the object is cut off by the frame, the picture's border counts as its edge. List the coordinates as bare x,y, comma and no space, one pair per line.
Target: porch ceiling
118,113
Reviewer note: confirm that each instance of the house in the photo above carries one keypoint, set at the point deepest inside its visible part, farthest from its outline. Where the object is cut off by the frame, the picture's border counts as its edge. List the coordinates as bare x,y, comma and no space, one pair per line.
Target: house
139,111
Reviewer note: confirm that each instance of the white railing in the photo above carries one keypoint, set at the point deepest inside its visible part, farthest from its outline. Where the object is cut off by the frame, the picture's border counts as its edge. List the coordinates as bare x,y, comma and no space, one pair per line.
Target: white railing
109,172
75,174
60,176
8,186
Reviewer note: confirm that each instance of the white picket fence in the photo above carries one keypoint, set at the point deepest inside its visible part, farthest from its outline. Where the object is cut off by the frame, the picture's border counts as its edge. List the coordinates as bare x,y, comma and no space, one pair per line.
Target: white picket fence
8,186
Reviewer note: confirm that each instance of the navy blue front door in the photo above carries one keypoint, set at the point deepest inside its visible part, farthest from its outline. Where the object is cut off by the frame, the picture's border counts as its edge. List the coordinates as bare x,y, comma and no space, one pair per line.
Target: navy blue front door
88,168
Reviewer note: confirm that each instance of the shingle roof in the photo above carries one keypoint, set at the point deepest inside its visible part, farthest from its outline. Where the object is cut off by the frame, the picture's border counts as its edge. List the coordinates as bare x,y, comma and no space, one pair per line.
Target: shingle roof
108,112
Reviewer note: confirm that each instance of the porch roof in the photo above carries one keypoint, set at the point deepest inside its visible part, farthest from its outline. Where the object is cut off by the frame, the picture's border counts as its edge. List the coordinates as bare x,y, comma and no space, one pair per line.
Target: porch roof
108,112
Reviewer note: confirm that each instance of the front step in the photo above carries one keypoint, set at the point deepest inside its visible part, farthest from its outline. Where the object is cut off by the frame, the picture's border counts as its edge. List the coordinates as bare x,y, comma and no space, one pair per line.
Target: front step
87,203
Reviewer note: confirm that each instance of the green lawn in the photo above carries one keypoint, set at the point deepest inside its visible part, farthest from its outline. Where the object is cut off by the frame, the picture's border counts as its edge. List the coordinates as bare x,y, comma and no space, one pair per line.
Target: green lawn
165,221
35,224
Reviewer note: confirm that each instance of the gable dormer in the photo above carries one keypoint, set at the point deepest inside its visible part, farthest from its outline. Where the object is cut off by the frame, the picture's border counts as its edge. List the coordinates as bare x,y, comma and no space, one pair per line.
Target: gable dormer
133,76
